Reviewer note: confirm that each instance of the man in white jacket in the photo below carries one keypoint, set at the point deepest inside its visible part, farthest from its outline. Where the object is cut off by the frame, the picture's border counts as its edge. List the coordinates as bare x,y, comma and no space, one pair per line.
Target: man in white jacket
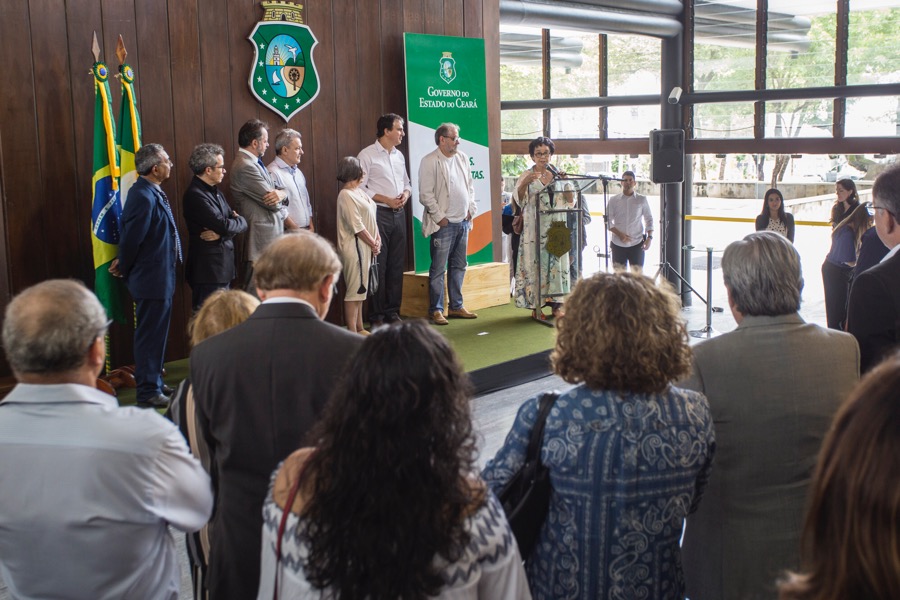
448,195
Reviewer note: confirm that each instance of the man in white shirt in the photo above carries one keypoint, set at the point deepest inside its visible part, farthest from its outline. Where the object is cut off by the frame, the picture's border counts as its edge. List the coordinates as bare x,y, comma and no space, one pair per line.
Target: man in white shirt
89,489
630,221
448,195
286,174
386,181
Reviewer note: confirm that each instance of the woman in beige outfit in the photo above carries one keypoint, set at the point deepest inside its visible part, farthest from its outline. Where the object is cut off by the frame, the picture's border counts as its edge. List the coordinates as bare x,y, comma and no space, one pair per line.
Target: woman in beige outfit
358,240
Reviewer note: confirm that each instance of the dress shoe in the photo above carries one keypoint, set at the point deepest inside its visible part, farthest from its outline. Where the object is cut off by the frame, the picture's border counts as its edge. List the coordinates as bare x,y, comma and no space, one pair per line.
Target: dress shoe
437,317
393,319
461,313
168,391
159,401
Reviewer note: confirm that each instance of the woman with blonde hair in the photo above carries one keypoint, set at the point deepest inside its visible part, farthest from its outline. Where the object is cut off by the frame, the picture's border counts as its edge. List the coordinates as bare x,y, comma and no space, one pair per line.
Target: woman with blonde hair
852,531
628,453
223,309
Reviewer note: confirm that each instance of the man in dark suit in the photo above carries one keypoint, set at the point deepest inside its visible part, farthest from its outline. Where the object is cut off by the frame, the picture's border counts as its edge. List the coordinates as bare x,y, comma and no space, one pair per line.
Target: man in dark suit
211,224
873,313
259,387
257,196
773,385
149,249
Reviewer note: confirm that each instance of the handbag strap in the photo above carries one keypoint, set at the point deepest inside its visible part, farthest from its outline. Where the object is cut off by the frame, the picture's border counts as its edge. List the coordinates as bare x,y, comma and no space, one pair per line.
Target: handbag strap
533,452
362,288
284,515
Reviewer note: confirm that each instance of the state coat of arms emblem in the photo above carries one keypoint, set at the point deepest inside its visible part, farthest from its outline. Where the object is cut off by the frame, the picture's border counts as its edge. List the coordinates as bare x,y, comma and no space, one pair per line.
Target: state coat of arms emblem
448,67
283,75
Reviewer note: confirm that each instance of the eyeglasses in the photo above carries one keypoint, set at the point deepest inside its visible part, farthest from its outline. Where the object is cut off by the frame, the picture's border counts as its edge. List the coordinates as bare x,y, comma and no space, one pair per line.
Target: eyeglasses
454,139
218,168
544,154
872,208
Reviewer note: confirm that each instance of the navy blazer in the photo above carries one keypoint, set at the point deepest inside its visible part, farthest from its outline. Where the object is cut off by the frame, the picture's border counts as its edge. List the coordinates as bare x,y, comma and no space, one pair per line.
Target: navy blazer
204,207
147,253
873,312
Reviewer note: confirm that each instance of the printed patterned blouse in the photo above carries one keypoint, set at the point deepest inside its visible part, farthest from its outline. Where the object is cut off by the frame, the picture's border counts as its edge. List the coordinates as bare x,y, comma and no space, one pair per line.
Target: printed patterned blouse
626,469
490,568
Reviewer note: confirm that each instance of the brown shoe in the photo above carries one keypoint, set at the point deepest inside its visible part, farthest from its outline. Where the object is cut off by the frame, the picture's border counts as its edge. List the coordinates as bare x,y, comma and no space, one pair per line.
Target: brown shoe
461,313
437,317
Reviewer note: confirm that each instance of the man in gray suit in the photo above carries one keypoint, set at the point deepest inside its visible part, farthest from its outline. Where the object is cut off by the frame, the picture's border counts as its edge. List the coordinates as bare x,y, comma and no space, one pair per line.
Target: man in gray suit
255,194
773,385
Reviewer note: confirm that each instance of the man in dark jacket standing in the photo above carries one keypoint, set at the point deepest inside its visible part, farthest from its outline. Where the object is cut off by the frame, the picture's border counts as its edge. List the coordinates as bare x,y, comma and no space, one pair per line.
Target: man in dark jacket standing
212,225
149,250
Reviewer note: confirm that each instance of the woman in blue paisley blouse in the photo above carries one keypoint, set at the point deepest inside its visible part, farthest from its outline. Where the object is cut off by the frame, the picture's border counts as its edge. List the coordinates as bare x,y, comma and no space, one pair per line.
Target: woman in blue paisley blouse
628,453
389,504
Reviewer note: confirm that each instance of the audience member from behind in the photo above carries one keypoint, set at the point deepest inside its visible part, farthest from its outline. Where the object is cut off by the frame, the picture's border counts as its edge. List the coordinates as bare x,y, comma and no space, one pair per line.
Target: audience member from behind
211,224
873,315
259,387
845,238
222,310
851,536
629,454
773,385
89,489
773,217
388,505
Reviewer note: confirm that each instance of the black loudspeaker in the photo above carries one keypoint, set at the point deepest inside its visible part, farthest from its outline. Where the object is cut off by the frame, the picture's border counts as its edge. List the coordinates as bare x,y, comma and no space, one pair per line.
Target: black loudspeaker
667,155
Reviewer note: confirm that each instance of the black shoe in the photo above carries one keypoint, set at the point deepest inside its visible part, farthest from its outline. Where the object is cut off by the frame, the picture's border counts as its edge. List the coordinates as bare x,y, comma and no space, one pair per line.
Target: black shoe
393,319
168,391
159,401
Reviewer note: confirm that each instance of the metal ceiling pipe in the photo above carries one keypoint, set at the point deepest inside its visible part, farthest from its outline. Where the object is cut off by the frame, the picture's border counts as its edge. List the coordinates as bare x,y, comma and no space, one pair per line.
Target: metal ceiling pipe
658,7
733,15
583,17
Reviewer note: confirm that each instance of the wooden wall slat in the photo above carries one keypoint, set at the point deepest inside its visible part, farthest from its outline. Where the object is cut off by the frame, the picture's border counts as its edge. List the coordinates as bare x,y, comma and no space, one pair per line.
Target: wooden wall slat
369,70
454,18
22,152
54,123
192,61
434,17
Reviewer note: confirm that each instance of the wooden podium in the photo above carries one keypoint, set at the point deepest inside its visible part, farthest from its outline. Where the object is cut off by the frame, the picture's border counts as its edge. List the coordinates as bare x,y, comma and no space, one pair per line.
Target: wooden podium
484,286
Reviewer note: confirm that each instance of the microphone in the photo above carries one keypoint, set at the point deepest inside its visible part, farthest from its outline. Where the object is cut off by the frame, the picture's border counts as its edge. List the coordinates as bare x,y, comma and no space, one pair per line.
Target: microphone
553,170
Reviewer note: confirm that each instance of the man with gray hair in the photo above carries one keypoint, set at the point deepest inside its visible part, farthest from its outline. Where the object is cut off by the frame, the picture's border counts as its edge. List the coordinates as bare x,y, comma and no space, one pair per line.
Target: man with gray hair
89,489
259,387
873,313
773,385
149,249
448,195
258,198
286,174
212,225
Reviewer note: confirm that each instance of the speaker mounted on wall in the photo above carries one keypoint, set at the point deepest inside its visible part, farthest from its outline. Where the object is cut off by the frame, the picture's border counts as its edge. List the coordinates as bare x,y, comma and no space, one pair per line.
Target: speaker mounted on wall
667,155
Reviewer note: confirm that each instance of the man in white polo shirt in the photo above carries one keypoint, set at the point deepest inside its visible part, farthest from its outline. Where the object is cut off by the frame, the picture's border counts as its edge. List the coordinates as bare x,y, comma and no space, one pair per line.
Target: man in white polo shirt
631,223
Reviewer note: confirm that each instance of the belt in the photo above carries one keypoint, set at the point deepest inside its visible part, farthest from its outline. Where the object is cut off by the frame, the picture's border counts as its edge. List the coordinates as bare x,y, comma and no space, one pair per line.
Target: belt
396,210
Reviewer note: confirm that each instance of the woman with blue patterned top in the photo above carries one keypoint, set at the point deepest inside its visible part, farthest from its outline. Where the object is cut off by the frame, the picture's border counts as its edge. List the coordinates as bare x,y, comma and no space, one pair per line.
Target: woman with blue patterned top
628,453
389,505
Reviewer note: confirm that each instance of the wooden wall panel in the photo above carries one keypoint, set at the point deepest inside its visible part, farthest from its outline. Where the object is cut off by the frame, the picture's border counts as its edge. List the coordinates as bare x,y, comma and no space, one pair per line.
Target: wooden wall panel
192,62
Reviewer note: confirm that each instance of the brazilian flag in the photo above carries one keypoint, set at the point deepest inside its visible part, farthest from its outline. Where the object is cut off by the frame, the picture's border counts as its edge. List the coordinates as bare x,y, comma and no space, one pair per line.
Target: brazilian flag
107,209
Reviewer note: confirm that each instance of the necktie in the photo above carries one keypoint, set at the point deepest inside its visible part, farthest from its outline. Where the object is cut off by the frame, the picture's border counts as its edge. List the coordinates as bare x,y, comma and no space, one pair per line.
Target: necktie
174,226
262,165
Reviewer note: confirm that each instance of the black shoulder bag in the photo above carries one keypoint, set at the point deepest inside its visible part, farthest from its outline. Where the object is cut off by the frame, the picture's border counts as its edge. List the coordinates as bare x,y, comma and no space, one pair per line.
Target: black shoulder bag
526,496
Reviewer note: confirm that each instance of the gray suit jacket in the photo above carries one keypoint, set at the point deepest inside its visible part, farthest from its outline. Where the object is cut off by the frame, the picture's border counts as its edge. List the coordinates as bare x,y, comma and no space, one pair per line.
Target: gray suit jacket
773,386
249,183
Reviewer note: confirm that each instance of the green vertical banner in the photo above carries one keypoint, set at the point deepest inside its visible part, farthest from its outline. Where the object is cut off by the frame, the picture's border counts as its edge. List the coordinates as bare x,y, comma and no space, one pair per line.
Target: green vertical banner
445,83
